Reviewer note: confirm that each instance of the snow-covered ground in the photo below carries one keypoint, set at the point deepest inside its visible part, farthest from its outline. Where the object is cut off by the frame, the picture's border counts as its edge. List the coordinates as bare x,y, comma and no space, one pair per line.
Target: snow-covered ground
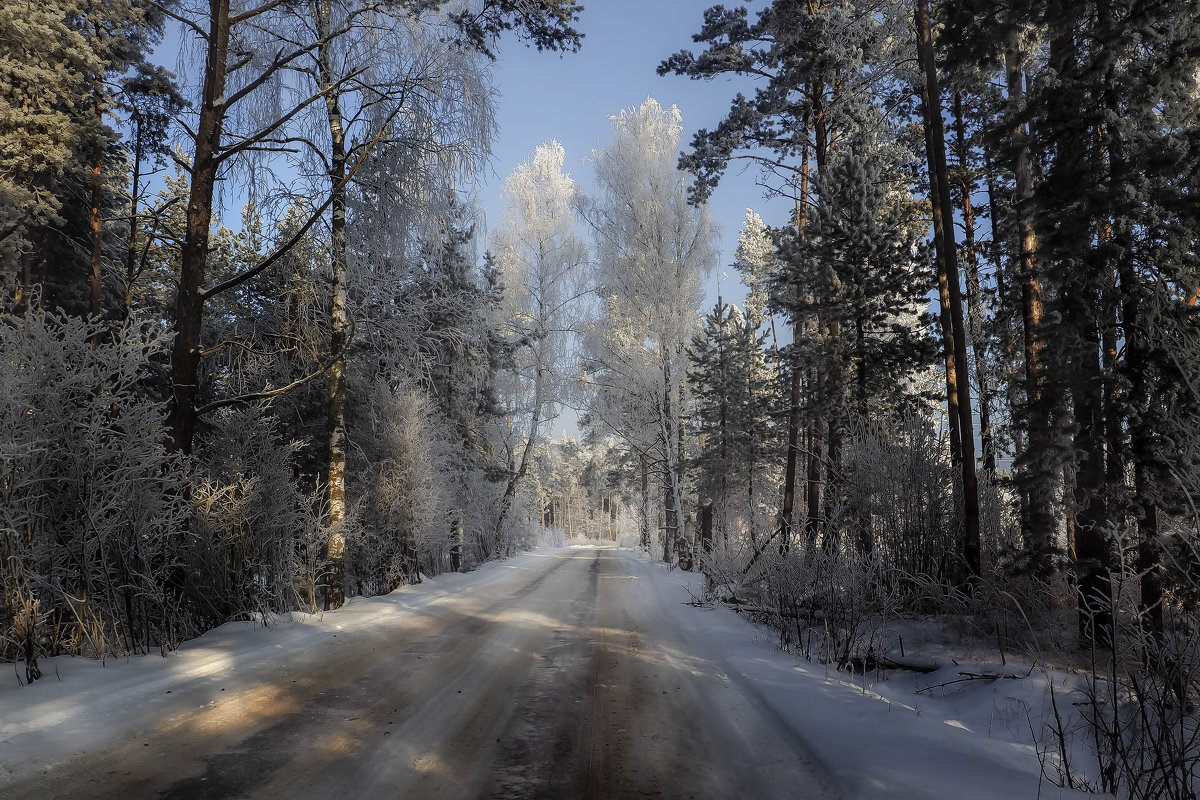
869,739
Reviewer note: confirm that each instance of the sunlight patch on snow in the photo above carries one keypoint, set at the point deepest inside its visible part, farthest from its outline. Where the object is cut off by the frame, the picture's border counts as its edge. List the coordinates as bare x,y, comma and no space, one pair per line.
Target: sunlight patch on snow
528,618
41,715
203,661
429,764
340,743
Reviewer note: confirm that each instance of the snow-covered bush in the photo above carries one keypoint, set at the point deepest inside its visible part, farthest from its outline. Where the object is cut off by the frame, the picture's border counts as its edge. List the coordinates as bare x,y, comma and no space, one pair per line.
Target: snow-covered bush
899,484
831,606
256,532
400,521
1139,698
485,534
91,503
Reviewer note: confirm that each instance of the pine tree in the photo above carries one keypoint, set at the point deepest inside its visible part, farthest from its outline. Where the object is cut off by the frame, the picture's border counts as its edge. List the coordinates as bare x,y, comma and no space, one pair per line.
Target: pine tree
44,64
996,38
1120,152
861,263
737,399
816,65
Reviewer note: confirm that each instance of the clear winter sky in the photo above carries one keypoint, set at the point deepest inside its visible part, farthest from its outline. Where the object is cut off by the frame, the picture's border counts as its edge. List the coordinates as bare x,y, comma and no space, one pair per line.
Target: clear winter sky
569,97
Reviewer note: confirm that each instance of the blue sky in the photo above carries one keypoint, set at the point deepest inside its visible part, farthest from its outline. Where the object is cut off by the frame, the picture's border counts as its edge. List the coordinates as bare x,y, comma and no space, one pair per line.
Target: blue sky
546,96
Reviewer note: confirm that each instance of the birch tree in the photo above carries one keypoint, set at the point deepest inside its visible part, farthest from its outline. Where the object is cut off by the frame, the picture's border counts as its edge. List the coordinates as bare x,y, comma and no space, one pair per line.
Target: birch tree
235,73
653,253
541,260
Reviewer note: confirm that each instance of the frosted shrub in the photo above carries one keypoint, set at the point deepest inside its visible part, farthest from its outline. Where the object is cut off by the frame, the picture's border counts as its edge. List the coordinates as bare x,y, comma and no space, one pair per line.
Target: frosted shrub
91,504
401,513
900,487
830,606
486,535
1140,697
253,525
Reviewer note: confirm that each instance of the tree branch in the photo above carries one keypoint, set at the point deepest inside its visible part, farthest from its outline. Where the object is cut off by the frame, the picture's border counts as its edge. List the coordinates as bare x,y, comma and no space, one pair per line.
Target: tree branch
247,399
270,260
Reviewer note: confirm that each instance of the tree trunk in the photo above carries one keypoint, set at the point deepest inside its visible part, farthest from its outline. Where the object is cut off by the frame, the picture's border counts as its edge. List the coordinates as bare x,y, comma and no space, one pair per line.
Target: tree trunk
1092,549
974,294
1082,314
24,284
189,304
672,494
645,502
1137,411
1037,479
793,449
943,223
96,218
834,380
456,543
339,324
793,452
815,446
131,245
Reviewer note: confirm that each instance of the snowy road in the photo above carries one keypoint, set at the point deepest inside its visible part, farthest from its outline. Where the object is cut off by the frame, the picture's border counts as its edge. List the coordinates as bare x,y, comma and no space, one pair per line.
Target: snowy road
558,675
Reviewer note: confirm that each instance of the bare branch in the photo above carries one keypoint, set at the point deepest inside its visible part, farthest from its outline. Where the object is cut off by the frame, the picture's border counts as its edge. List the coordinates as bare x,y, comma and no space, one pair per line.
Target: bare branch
247,399
270,260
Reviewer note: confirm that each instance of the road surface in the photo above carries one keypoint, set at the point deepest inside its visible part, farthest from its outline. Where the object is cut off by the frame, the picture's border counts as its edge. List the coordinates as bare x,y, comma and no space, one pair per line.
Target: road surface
566,676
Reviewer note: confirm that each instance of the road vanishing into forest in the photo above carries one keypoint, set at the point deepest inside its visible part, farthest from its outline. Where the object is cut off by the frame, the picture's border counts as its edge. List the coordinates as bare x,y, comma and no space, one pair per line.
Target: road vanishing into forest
558,676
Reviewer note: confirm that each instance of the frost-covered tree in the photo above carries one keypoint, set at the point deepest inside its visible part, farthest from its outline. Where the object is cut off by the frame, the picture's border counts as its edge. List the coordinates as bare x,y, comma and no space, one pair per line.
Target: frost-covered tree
247,103
1117,226
435,324
540,259
653,251
815,67
337,81
756,261
861,263
398,530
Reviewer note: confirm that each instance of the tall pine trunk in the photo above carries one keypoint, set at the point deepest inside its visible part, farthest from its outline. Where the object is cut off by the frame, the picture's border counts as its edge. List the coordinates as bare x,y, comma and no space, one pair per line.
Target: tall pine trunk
816,122
794,394
134,199
1138,358
1081,298
189,304
1036,472
96,217
948,276
974,294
